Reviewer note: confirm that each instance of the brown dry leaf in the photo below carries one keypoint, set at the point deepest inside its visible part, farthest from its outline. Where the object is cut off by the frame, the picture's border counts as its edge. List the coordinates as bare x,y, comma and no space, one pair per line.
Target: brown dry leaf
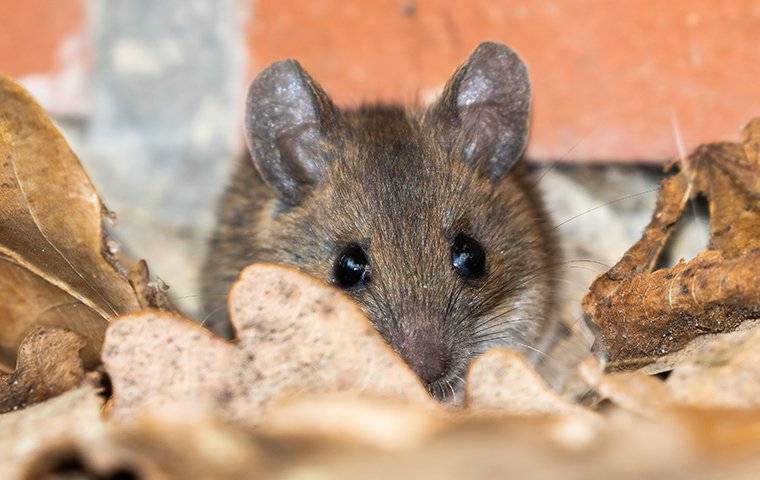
22,433
722,373
27,300
634,391
539,447
354,420
150,294
695,348
640,314
503,381
48,365
153,448
52,230
295,335
729,175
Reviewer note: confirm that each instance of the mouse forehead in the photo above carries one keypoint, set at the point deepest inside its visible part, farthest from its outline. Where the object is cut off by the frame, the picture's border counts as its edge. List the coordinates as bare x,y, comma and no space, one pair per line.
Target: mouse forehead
397,182
392,180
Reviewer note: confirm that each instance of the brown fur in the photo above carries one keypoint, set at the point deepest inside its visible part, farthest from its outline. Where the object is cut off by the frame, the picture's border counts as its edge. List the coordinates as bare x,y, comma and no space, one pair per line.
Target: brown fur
396,188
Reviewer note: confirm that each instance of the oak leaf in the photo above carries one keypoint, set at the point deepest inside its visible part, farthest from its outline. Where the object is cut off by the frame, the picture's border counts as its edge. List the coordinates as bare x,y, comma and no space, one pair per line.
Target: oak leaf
295,336
503,381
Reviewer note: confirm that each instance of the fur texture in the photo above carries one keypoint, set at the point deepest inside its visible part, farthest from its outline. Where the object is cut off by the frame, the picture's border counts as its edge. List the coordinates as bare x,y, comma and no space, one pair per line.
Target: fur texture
397,183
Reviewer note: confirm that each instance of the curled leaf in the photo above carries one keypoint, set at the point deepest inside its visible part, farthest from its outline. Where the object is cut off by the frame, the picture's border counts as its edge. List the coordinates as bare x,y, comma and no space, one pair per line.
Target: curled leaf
52,228
640,313
48,365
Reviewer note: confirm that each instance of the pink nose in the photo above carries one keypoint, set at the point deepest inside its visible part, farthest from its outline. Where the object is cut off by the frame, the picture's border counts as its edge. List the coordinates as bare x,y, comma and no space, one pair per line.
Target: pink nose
426,357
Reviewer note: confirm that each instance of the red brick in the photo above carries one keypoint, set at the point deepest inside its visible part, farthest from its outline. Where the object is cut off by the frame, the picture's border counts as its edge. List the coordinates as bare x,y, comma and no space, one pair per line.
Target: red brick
609,77
31,33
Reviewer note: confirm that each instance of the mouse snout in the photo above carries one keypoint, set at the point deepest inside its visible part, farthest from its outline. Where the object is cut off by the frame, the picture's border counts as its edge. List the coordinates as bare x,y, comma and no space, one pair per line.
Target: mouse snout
426,356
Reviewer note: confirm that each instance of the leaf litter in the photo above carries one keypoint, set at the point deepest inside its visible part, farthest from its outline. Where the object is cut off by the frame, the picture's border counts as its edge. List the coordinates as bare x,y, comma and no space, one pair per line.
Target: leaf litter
310,390
56,268
640,313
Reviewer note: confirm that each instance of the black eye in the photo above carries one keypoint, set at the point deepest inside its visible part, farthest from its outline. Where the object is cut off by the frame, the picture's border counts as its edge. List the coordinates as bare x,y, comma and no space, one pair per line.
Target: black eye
352,268
467,257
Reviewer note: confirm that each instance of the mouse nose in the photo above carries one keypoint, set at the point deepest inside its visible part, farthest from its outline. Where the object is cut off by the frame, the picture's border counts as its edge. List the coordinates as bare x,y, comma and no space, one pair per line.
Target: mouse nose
426,357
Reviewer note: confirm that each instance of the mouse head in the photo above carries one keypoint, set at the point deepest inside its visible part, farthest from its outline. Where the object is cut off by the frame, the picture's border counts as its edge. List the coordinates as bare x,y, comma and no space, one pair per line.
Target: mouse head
421,216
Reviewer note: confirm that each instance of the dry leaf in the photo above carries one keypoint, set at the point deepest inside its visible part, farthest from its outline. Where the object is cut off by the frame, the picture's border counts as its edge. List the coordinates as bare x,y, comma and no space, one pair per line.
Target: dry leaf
23,433
161,448
27,300
634,391
686,444
295,335
354,420
570,448
150,294
502,380
51,227
722,373
640,314
48,365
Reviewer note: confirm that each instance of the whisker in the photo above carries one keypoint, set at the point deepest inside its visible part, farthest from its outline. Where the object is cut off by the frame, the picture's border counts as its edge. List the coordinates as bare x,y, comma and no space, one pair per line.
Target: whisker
211,314
557,162
627,197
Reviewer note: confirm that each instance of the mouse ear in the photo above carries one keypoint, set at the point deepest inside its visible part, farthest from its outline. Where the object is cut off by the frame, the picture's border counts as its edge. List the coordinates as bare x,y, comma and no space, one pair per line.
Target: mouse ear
287,122
485,108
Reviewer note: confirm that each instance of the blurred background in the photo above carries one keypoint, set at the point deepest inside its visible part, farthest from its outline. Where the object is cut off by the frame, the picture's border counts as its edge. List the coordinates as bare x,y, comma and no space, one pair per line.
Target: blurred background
150,95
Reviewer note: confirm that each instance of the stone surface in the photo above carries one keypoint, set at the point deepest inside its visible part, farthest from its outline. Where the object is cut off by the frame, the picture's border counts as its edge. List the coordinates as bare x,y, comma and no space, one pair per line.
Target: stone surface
164,125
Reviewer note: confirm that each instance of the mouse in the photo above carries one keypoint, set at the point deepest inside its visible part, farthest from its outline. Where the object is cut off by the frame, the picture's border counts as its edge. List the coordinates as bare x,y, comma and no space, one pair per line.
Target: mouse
426,216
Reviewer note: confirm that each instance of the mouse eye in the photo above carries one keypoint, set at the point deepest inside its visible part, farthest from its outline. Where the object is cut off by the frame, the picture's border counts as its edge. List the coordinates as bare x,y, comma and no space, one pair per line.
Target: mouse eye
352,268
467,257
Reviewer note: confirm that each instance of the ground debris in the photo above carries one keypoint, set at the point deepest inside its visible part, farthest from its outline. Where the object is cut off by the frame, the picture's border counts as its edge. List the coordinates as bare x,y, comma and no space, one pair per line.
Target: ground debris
57,267
48,365
501,381
682,444
74,414
640,314
321,342
309,389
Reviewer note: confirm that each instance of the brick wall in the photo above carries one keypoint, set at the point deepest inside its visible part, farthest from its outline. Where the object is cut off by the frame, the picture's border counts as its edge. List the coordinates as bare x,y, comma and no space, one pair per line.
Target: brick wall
611,78
33,31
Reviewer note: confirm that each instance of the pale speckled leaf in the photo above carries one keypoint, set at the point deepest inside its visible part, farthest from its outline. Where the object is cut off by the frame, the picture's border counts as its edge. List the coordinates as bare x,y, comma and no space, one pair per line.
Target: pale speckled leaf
295,335
503,381
723,373
634,391
24,432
